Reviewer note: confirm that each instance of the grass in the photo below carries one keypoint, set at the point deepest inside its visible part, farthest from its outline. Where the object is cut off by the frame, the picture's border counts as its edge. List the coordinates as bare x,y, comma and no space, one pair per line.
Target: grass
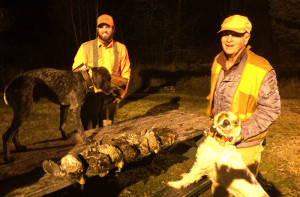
44,117
280,159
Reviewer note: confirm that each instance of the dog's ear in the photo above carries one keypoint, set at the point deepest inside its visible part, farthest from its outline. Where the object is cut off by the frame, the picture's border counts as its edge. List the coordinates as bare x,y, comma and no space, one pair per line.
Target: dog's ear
101,72
97,77
101,79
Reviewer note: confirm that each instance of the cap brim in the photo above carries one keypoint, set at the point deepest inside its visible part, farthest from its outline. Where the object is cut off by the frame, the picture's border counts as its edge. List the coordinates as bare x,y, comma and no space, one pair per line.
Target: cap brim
232,29
104,23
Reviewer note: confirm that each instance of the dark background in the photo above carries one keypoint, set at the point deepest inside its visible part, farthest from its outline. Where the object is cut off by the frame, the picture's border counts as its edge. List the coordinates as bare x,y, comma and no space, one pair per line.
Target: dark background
47,33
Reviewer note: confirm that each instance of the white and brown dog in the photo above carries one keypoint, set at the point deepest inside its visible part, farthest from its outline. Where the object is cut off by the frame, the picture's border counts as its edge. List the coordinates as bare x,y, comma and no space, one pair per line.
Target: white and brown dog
218,158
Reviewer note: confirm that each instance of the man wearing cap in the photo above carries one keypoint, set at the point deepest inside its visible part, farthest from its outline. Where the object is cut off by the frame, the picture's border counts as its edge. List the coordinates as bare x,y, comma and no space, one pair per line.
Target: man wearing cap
104,52
246,84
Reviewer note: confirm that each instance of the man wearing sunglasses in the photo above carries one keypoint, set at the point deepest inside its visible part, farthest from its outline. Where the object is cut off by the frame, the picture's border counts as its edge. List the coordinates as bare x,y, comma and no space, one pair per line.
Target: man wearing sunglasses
246,84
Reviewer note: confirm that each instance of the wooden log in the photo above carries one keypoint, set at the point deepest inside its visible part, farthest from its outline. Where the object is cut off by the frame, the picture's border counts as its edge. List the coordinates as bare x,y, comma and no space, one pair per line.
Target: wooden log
186,125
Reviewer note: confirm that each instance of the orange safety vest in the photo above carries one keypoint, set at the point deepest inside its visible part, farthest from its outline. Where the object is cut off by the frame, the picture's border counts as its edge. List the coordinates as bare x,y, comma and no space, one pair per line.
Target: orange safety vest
116,60
244,101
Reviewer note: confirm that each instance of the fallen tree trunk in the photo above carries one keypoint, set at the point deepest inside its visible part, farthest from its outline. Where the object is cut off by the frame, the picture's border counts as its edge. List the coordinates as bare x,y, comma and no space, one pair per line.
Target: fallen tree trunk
25,176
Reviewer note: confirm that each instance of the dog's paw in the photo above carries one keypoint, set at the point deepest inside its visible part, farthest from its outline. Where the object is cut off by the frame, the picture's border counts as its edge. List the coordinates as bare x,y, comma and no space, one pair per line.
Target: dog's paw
9,159
174,184
183,175
64,137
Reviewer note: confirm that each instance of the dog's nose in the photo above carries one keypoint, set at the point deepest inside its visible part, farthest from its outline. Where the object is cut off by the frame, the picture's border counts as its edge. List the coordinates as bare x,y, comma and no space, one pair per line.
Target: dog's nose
226,122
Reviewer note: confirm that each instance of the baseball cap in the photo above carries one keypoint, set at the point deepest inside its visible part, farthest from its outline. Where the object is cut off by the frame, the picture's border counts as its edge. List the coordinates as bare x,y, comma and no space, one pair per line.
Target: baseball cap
107,19
236,23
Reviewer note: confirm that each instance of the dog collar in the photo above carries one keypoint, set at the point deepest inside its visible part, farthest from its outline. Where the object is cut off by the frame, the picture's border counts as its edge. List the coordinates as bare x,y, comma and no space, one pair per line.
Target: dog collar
88,77
96,90
219,137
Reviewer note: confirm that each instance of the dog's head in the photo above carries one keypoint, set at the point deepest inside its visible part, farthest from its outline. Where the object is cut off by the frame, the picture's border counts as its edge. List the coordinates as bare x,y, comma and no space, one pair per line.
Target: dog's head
228,124
101,79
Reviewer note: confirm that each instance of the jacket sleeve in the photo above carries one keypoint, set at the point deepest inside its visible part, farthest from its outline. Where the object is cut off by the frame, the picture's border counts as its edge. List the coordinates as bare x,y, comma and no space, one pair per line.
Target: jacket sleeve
125,64
125,70
268,108
80,58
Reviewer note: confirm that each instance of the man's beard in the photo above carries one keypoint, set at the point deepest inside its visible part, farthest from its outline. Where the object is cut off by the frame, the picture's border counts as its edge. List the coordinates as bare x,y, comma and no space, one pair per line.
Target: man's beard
106,39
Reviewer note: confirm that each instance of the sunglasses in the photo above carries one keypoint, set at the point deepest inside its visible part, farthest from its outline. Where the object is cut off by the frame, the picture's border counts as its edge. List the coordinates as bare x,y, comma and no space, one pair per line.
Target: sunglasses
232,33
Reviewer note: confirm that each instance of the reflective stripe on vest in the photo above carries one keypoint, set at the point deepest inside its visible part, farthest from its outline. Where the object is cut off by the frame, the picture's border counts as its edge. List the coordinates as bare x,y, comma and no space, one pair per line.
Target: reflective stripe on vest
97,54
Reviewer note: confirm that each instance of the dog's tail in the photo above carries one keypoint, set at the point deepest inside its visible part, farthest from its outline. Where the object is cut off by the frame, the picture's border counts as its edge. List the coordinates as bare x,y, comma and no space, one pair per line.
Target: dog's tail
4,97
6,93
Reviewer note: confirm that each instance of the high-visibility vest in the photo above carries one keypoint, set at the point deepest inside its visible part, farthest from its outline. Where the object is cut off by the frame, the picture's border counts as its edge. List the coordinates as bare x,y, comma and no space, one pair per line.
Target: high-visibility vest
115,59
95,53
244,100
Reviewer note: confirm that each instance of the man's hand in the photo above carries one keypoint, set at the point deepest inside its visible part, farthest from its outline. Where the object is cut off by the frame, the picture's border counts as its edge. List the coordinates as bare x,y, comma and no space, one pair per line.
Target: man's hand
80,68
117,100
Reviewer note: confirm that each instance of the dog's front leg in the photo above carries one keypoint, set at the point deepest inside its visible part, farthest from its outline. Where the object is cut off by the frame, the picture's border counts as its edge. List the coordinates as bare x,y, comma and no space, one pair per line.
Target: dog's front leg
205,157
195,174
7,139
16,141
80,130
63,117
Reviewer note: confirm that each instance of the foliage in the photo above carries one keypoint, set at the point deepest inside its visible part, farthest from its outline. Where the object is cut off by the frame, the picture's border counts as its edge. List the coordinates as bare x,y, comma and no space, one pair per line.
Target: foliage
285,16
181,76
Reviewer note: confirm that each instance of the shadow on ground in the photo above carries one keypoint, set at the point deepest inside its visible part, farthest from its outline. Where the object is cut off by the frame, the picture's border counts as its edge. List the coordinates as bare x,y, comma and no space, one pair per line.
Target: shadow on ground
269,187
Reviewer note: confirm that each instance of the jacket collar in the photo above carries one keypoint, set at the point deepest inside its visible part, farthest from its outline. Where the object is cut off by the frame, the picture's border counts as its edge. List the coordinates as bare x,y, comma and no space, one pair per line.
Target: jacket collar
222,58
100,44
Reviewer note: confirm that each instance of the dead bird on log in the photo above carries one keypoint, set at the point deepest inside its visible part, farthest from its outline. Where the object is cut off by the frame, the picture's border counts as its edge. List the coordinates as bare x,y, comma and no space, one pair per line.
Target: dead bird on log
109,153
98,163
71,167
149,143
114,153
129,151
131,138
167,136
95,160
